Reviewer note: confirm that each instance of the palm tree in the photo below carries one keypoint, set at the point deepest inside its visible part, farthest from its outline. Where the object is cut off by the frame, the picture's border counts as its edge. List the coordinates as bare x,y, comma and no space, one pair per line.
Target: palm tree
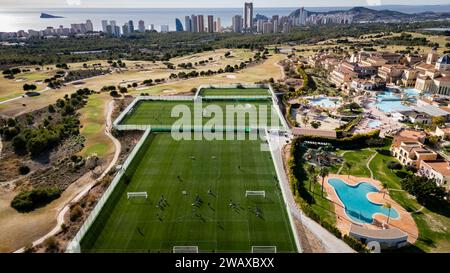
305,120
389,207
311,171
385,188
323,173
348,166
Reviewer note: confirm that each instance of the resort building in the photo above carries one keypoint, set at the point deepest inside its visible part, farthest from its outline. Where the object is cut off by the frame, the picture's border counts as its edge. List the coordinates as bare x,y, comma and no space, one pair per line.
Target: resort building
412,153
387,238
434,78
443,132
415,117
374,61
432,111
314,132
437,170
409,135
391,73
342,76
409,77
414,59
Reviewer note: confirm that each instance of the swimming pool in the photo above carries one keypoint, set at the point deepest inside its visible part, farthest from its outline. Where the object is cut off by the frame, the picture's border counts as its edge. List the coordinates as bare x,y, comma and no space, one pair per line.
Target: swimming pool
412,92
325,102
357,206
374,123
390,102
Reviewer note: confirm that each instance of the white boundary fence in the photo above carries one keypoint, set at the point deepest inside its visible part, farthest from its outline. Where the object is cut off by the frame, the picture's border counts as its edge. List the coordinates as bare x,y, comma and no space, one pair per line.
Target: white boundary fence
279,169
124,127
74,245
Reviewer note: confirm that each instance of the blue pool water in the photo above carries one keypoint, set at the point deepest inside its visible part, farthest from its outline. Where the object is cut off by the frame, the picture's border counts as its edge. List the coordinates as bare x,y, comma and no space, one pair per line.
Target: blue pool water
374,123
391,102
412,92
324,102
357,206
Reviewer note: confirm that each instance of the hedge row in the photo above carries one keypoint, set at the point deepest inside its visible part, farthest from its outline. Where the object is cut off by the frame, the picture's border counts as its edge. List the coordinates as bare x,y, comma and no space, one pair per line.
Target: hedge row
350,125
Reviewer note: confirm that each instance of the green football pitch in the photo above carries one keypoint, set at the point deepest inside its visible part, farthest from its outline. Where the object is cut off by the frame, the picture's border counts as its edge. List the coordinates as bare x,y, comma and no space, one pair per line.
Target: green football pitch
196,197
234,92
150,112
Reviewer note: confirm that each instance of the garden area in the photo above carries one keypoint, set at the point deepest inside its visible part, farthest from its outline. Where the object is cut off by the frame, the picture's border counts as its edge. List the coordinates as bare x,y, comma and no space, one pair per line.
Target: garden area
366,160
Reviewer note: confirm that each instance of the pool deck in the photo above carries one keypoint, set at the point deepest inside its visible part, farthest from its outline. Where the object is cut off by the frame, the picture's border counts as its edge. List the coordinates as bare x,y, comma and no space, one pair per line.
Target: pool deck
404,222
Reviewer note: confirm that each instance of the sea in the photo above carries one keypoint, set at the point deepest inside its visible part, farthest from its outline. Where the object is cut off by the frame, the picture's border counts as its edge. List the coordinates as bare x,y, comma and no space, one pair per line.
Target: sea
25,19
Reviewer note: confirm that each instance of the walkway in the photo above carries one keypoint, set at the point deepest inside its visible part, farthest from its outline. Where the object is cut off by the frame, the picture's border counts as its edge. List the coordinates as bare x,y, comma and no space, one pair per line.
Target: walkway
62,212
330,242
368,163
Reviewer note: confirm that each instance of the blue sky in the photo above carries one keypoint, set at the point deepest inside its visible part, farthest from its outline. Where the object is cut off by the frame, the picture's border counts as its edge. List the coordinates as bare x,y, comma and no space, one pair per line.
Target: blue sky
204,3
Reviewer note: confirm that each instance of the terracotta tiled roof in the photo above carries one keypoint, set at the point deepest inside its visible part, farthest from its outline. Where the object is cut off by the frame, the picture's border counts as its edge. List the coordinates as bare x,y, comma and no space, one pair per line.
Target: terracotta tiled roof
442,167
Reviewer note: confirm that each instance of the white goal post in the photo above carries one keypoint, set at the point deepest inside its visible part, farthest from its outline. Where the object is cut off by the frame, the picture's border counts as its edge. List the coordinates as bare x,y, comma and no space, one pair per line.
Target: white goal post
264,249
255,193
185,249
136,194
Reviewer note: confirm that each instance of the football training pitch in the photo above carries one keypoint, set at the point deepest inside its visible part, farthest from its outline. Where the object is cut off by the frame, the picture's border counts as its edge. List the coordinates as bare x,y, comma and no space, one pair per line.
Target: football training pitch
154,112
196,197
234,92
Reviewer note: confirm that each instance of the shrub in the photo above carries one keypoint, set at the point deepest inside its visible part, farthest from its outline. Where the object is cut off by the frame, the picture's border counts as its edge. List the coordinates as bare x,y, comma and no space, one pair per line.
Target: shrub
355,244
51,244
19,143
394,165
75,213
27,201
23,170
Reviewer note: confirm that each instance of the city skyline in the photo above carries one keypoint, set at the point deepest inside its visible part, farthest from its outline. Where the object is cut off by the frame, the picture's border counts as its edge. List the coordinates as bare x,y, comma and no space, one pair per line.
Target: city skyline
208,4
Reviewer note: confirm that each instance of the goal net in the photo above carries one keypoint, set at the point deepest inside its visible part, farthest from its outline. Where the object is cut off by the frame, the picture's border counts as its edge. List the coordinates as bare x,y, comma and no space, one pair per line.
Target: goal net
264,249
255,193
185,249
137,194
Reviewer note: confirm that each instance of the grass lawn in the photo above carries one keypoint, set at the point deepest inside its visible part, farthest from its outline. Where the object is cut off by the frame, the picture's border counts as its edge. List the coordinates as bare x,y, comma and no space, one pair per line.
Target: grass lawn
159,112
358,160
93,121
166,167
234,92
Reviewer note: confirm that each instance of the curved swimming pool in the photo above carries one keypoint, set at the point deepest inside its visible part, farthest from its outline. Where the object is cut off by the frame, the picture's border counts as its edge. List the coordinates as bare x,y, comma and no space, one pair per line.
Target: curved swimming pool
357,205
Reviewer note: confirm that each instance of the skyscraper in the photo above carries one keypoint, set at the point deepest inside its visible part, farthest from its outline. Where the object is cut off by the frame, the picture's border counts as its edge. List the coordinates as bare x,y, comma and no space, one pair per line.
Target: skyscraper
125,29
194,23
164,28
89,26
131,26
237,23
219,25
210,23
114,28
201,23
178,25
104,26
248,17
187,24
267,27
117,31
141,26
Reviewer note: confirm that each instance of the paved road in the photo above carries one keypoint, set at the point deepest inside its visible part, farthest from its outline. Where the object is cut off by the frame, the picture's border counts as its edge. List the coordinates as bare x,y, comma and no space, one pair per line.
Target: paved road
330,242
87,188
